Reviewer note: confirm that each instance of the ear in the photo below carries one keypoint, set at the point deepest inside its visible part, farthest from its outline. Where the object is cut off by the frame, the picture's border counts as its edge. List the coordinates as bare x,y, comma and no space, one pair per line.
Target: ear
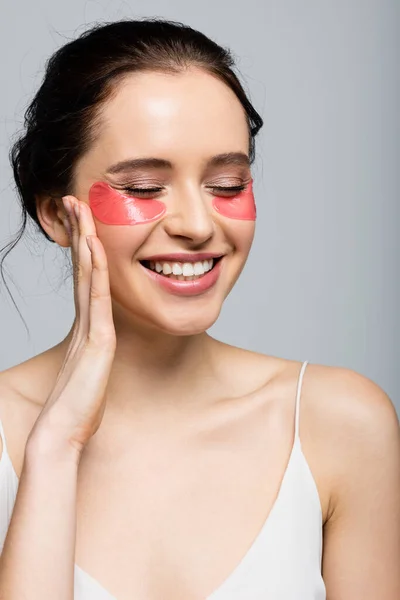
51,215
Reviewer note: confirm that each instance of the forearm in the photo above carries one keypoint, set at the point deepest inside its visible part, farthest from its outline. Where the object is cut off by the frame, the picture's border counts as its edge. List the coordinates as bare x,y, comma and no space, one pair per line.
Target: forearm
38,557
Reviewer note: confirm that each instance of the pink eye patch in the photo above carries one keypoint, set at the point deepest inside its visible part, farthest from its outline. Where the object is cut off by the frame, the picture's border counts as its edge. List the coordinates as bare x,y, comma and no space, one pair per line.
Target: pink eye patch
115,208
242,206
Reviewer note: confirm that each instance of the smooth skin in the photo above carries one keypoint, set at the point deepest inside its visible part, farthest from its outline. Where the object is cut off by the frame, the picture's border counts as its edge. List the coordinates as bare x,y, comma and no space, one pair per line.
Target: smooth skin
194,432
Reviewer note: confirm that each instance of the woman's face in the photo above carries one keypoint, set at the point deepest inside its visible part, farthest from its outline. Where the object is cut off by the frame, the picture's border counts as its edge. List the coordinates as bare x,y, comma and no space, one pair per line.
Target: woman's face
184,121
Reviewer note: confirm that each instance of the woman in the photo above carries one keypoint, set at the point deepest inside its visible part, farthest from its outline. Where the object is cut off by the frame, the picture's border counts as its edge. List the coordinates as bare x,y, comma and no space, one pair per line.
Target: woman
141,458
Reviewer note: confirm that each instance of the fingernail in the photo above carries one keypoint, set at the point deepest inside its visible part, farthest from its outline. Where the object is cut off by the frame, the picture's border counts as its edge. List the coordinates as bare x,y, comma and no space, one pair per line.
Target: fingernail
67,204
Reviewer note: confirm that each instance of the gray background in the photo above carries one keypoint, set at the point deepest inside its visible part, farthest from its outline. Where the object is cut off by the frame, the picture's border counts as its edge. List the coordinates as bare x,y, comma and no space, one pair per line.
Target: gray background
322,279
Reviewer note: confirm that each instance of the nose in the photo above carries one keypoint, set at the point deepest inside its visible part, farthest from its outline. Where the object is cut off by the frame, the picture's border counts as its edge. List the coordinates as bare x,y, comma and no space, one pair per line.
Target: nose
189,216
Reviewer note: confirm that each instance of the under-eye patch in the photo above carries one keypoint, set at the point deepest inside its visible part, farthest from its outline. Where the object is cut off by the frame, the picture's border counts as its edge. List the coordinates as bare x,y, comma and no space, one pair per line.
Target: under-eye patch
116,208
113,207
242,206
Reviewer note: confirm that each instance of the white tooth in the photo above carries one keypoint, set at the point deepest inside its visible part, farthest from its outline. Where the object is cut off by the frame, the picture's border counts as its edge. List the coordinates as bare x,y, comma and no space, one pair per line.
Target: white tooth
158,267
198,268
211,261
167,269
151,264
205,266
176,269
187,269
181,278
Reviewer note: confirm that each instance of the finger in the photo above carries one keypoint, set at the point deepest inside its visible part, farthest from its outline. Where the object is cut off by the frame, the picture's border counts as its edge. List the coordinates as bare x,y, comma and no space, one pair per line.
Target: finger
83,267
101,323
87,219
81,224
86,228
69,202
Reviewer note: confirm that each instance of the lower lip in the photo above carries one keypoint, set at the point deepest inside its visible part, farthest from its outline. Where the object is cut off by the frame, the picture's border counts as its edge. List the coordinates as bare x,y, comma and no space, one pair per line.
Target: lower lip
193,287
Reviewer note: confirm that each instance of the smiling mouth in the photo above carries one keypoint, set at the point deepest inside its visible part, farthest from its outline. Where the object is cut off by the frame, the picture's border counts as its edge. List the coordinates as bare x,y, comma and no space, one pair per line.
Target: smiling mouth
186,271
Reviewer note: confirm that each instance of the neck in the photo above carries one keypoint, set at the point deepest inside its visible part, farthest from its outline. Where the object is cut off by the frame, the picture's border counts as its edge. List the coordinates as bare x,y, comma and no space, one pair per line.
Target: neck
153,370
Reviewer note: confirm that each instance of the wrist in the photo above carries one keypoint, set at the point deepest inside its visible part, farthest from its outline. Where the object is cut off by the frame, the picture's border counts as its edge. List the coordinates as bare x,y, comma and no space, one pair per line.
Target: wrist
47,449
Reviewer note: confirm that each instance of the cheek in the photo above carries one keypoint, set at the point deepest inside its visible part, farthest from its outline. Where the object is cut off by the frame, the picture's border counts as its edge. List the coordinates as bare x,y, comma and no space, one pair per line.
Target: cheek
241,235
113,208
242,206
121,244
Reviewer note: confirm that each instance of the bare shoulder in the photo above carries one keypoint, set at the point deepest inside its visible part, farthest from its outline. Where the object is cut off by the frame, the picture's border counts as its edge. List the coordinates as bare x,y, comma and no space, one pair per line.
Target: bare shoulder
353,410
348,403
348,424
18,411
354,426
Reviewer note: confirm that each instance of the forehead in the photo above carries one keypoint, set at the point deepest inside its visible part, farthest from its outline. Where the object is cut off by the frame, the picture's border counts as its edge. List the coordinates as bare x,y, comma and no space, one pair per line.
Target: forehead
192,112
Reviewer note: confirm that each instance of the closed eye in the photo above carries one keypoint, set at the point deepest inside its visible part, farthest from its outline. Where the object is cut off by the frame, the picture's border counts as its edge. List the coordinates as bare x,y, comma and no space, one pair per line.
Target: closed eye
216,190
139,191
228,190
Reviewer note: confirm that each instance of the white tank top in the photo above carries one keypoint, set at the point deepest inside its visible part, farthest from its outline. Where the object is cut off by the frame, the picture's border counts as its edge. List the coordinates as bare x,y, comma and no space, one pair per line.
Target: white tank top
283,562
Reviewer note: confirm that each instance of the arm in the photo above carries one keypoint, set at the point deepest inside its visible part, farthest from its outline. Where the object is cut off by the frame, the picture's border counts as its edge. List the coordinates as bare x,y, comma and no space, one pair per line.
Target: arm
361,559
37,561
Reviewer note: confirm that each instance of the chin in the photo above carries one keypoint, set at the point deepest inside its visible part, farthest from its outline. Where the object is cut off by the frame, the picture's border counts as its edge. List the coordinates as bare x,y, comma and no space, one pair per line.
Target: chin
186,322
176,319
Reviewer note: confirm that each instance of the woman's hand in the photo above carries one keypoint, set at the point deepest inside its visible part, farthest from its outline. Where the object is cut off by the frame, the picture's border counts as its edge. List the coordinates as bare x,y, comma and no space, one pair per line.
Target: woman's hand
74,410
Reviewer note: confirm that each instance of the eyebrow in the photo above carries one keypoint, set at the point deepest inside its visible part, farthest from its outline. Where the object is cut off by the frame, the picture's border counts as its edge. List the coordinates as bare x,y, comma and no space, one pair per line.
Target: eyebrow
219,160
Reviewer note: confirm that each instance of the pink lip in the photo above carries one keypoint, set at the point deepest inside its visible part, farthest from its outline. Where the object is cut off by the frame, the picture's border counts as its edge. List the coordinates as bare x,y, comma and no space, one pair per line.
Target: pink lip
187,288
182,257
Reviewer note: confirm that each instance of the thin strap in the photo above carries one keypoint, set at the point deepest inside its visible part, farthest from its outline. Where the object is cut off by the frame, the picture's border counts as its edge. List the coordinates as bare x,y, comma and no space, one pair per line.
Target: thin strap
3,437
299,384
